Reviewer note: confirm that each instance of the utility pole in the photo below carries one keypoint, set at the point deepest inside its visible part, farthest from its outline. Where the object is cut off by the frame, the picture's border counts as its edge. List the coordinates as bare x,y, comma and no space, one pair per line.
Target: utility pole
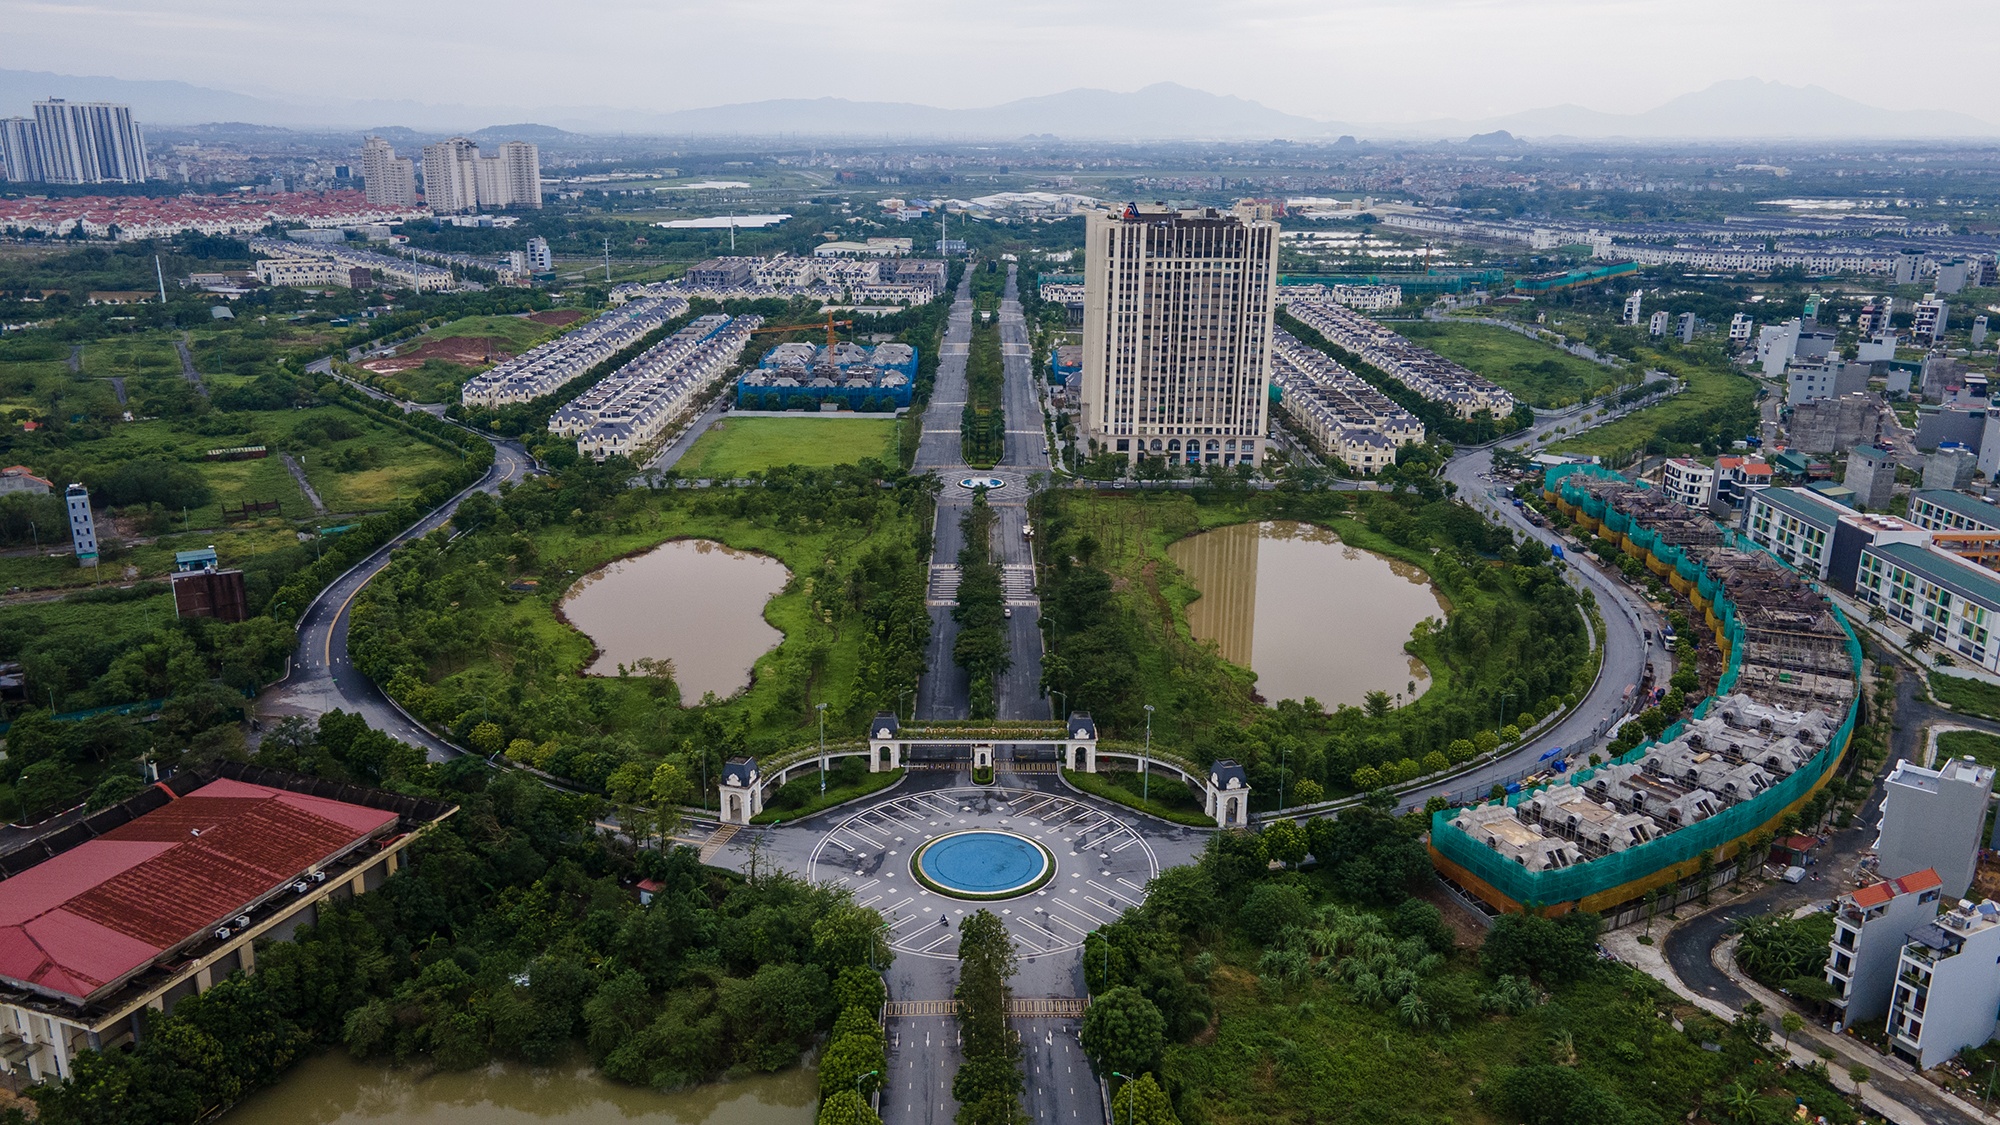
607,259
162,275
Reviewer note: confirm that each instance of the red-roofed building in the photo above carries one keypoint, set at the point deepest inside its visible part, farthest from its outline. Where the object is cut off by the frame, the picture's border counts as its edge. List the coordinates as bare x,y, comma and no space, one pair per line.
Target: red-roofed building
159,897
1737,477
1870,927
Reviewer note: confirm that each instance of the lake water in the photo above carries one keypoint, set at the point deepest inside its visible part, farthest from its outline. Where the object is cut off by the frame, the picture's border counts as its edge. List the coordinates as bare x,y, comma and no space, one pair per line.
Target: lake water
693,601
333,1089
1309,614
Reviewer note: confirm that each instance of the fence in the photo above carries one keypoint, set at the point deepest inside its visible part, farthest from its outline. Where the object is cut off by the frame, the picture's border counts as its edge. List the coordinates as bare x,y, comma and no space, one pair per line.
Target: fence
1677,853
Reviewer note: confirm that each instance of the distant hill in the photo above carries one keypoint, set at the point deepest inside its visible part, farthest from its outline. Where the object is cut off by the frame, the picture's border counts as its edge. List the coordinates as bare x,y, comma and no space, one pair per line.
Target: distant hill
1741,108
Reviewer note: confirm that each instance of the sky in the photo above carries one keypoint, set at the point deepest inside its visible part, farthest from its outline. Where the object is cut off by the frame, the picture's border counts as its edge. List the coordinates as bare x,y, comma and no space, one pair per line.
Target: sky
1343,60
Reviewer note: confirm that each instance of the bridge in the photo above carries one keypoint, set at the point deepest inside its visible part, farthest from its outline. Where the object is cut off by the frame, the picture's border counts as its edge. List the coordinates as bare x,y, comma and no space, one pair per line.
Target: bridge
744,785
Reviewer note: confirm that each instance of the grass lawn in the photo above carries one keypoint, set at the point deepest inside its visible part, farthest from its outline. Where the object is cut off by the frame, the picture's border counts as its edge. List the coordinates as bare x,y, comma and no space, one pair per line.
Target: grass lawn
1680,421
1540,373
233,545
1978,745
736,446
1169,799
1974,697
518,331
400,467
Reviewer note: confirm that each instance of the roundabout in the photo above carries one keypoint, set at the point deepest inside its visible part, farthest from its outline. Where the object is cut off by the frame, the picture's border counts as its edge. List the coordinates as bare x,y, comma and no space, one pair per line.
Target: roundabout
982,865
1050,866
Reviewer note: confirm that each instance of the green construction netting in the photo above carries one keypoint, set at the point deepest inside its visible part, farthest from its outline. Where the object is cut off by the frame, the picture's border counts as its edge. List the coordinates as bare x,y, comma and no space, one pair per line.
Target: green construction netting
1582,880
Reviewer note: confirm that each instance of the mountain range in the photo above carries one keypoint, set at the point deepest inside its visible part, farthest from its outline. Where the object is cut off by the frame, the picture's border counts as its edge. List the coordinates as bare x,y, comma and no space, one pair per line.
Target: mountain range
1738,109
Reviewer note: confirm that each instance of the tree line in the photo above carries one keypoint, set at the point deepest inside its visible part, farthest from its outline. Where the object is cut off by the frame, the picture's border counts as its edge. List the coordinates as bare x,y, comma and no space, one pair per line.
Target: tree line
513,933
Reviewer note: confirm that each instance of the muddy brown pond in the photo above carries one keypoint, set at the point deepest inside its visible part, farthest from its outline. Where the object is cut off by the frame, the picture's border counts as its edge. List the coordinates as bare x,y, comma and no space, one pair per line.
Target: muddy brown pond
1309,614
693,601
333,1089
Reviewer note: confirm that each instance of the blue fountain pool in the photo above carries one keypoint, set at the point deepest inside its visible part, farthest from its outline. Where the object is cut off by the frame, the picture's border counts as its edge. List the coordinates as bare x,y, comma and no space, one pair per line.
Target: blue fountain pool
984,864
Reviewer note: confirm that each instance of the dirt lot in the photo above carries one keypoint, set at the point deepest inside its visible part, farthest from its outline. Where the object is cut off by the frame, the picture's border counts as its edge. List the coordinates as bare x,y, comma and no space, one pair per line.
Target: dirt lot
558,316
468,351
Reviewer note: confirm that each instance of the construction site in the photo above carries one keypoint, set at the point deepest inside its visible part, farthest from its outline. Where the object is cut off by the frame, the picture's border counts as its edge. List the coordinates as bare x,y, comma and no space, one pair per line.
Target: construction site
1779,669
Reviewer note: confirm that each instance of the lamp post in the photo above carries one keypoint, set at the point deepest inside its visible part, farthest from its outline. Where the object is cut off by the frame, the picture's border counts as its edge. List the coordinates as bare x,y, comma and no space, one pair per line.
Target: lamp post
902,695
821,708
864,1078
1131,1103
1064,713
1146,762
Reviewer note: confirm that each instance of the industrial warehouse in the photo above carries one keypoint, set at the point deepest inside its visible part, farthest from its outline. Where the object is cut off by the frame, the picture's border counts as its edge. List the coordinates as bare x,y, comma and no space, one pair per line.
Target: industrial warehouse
155,899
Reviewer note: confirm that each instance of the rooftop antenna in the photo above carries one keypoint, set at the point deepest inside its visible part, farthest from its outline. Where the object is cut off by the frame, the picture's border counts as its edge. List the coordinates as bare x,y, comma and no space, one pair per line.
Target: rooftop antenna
162,275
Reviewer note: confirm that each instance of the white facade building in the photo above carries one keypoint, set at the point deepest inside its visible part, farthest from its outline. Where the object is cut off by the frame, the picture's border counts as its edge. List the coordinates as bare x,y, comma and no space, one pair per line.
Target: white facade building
1935,819
388,179
82,528
1952,600
1928,318
1177,334
1947,989
1870,927
540,258
1689,481
1634,306
74,143
458,179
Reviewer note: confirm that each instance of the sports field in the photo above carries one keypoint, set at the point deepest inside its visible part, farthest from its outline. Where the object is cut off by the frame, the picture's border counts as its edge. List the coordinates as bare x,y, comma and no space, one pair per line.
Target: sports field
735,446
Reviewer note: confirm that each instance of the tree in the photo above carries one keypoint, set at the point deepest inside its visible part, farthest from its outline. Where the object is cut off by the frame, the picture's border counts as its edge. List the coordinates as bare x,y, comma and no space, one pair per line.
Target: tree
1271,908
852,1062
845,1107
1123,1031
1285,842
1552,949
1142,1102
1555,1095
1793,1023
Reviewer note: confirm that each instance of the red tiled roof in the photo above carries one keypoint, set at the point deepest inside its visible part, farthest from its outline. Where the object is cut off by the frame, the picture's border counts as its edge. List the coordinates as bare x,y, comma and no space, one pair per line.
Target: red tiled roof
1875,894
93,915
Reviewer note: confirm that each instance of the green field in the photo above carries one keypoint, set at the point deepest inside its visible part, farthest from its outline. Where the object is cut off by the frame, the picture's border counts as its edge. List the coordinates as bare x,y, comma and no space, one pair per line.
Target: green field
518,331
1542,374
1718,406
1978,745
736,446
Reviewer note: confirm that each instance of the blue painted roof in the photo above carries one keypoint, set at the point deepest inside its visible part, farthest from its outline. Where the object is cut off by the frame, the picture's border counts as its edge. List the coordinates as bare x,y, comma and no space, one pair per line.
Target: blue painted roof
1808,506
1971,507
1940,568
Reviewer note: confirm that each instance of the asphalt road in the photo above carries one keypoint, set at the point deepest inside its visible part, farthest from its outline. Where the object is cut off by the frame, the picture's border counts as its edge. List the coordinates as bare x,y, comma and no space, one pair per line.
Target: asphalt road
322,678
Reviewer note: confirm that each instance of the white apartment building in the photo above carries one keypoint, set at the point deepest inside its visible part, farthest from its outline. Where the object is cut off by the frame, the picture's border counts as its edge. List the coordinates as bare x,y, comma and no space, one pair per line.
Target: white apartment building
1177,334
1658,325
1928,318
74,143
388,179
1938,509
1740,327
82,528
1935,818
540,258
303,272
458,179
1953,600
398,273
1795,524
1634,306
1870,927
1688,481
1947,991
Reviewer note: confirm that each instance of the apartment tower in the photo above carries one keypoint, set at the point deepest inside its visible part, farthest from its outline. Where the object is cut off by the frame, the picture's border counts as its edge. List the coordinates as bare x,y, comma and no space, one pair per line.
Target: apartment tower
457,178
1177,334
390,180
74,143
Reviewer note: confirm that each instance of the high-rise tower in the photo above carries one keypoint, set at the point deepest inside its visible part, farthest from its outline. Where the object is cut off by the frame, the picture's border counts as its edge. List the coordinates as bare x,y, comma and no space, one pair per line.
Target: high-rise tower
1177,334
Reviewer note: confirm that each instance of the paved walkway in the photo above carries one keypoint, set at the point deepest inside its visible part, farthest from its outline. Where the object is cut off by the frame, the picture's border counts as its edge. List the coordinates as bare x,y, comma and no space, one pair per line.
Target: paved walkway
299,474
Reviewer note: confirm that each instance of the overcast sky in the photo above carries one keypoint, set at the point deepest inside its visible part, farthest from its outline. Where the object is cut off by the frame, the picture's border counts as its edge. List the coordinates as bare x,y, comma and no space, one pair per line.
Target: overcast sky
1348,60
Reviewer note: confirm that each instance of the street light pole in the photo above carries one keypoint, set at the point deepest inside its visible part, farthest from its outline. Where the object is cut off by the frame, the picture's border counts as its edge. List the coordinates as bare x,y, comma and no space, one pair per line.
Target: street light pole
1131,1103
1146,762
821,708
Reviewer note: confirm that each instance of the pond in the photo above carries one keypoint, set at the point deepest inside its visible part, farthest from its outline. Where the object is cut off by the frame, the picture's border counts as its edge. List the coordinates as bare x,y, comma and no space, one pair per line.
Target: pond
1309,614
693,601
333,1089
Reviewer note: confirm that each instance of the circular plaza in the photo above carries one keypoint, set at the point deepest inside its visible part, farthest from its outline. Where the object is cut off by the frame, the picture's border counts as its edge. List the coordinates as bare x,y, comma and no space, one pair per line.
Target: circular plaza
1050,866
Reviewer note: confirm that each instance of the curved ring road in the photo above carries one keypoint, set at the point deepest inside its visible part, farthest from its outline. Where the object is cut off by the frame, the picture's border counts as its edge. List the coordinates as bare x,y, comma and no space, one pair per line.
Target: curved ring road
322,678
